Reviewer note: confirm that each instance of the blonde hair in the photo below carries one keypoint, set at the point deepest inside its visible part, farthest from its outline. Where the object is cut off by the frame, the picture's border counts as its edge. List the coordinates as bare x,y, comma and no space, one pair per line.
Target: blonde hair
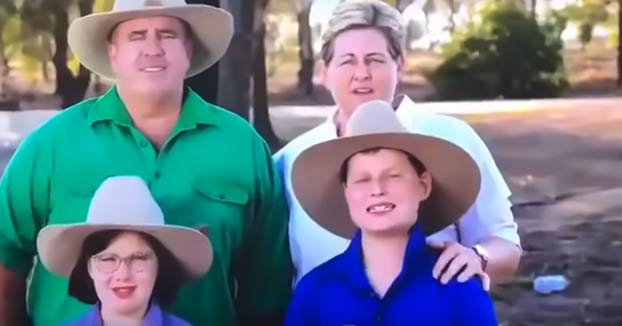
365,14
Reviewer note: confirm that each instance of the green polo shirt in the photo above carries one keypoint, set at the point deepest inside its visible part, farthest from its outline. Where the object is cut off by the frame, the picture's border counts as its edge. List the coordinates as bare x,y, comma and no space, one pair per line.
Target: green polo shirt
214,171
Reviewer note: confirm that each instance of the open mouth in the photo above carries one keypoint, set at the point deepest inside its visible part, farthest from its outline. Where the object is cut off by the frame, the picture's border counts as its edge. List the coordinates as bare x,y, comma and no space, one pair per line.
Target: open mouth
124,292
381,208
362,91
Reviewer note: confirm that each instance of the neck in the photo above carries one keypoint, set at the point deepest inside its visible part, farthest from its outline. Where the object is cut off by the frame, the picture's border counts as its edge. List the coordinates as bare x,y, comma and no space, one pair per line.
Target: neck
114,318
151,106
341,119
384,257
155,115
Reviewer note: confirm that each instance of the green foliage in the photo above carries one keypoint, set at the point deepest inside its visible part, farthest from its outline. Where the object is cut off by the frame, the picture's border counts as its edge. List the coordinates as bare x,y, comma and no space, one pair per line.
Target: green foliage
506,54
102,5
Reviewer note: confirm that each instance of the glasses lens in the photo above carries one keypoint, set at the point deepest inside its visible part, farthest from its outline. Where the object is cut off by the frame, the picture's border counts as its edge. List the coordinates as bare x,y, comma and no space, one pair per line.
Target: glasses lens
140,261
106,263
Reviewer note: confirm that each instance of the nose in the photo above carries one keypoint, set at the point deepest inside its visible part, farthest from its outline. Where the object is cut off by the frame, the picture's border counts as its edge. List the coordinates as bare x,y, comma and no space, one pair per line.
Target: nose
377,189
361,72
123,272
153,46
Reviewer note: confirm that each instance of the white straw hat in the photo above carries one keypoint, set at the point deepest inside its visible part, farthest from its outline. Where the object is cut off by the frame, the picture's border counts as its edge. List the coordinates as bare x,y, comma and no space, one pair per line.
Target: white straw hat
123,203
212,28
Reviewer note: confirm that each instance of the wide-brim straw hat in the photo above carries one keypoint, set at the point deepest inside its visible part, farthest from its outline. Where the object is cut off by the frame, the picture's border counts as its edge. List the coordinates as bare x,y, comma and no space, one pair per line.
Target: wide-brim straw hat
123,203
317,185
212,29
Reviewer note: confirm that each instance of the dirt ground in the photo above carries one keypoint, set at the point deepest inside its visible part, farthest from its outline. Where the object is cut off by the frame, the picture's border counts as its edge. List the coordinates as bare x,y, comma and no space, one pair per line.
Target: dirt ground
565,169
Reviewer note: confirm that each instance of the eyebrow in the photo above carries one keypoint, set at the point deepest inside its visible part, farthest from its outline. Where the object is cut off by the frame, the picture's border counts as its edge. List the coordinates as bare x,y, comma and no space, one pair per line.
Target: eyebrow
162,31
366,55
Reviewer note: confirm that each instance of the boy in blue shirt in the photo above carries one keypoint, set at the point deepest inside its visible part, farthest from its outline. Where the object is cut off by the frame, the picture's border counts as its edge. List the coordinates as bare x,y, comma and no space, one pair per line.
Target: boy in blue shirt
386,189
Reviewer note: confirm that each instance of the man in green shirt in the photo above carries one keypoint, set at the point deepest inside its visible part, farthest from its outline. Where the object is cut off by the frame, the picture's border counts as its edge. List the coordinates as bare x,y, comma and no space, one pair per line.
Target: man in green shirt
206,167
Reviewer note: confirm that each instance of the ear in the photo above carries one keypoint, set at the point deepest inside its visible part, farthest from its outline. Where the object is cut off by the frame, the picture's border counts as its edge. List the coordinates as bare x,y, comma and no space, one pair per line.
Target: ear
112,53
89,268
323,67
400,67
425,181
189,44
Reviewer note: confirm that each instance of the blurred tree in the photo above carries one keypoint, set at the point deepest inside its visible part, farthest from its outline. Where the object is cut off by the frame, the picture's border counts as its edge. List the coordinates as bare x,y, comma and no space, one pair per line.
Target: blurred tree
206,84
261,112
7,9
587,14
44,16
619,42
305,46
235,69
506,55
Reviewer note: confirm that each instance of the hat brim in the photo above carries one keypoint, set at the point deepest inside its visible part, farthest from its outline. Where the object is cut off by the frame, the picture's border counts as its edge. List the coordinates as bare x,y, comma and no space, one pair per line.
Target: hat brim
318,189
212,29
59,246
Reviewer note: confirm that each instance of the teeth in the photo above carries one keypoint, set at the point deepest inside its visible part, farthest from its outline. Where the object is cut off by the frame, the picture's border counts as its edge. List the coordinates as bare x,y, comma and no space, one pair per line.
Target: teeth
153,69
362,91
381,208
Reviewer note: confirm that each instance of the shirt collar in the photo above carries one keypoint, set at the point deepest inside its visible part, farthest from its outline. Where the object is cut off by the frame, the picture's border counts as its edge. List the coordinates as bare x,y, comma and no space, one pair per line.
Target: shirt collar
195,111
416,258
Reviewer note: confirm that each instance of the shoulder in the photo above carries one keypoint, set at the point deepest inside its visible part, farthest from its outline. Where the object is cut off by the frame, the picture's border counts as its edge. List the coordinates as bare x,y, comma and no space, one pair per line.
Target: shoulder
293,148
322,276
52,124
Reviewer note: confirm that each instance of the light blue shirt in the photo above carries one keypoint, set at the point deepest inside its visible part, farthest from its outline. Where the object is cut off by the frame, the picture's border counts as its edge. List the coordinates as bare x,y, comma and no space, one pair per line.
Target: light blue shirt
155,317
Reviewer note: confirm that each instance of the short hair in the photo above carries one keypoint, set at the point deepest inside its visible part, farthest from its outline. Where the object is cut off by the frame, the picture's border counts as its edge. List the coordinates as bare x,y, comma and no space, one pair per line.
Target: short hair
416,164
171,273
365,14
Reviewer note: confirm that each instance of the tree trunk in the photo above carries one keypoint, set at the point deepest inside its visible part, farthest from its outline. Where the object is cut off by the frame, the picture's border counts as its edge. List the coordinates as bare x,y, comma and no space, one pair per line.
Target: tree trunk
205,83
619,42
305,43
71,88
4,63
534,5
452,13
261,112
235,67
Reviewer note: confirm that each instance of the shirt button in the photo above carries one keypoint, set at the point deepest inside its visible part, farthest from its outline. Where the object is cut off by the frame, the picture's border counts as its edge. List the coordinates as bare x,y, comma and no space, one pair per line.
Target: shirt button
378,317
157,175
143,143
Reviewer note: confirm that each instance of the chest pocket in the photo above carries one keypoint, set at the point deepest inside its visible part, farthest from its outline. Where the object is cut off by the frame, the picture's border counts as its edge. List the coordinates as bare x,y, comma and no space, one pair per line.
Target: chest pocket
71,200
221,208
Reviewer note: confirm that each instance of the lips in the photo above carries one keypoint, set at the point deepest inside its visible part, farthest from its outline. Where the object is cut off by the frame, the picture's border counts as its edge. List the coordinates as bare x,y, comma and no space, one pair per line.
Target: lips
124,292
381,208
362,91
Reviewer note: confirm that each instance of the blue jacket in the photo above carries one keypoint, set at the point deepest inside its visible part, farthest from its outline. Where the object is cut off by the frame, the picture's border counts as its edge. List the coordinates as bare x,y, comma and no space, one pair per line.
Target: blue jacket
155,317
338,292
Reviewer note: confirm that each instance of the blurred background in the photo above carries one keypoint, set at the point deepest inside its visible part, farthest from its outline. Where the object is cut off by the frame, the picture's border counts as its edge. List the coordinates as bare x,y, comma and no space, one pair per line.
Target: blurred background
540,80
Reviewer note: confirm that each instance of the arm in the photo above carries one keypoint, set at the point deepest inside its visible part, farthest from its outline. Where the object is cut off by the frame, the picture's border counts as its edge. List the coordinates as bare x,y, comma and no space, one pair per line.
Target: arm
504,257
24,190
264,269
13,286
472,305
489,223
493,209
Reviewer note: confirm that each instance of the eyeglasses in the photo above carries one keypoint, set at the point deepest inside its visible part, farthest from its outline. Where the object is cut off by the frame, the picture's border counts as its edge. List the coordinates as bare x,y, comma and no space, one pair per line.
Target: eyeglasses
108,263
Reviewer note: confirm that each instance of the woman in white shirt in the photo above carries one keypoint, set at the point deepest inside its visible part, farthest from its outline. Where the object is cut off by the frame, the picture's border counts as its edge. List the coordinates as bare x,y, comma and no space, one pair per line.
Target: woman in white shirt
362,59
